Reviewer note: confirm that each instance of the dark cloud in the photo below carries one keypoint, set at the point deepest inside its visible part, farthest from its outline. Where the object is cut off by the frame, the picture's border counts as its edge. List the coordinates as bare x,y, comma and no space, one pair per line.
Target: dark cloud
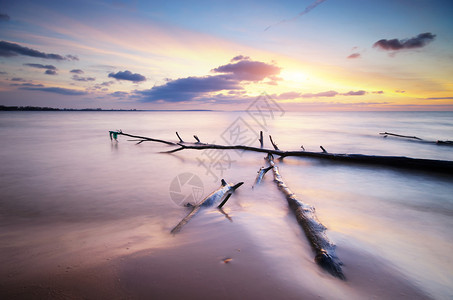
56,90
233,74
50,70
239,57
189,88
3,73
40,66
77,71
354,55
419,41
128,75
4,17
400,91
18,79
378,92
248,70
27,85
80,78
8,49
354,93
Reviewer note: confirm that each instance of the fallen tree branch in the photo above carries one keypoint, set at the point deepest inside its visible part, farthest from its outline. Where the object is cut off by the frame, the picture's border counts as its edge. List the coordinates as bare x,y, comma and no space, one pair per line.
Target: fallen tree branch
222,194
438,142
421,164
314,230
385,134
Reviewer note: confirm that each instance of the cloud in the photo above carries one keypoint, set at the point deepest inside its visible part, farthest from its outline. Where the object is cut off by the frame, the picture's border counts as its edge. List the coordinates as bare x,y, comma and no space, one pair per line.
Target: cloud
18,79
322,94
189,88
50,70
56,90
26,85
199,88
77,71
8,49
239,57
378,92
4,17
248,70
119,94
79,78
306,11
439,98
352,93
71,57
419,41
295,95
354,55
127,75
40,66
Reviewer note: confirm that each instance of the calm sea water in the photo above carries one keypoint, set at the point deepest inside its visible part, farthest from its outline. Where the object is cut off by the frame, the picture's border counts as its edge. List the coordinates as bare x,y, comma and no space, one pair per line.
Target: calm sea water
70,196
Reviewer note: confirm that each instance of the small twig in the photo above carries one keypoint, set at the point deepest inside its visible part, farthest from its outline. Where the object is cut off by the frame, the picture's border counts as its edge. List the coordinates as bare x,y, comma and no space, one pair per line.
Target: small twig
180,139
196,137
273,144
261,139
323,150
302,147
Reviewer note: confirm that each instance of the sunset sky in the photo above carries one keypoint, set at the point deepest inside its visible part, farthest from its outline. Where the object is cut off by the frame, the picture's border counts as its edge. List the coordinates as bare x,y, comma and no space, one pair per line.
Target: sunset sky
306,54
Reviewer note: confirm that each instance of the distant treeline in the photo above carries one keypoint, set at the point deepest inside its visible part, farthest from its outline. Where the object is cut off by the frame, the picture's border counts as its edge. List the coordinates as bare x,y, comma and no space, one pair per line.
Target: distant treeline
37,108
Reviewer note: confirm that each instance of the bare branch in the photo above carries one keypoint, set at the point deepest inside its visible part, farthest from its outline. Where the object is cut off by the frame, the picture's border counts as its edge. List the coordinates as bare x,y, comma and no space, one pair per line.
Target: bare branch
180,139
273,144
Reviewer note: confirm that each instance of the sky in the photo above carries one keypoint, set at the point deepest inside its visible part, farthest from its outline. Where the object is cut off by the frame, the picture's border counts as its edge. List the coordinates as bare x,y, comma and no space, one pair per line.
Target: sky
307,55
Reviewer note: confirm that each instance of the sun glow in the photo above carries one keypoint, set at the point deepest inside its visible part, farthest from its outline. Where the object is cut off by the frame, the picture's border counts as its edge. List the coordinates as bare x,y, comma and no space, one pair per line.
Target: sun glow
293,76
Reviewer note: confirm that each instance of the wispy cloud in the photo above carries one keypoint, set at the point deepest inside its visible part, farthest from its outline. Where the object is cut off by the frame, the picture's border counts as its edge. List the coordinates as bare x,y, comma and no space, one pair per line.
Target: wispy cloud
354,55
306,11
128,75
8,49
331,93
419,41
56,90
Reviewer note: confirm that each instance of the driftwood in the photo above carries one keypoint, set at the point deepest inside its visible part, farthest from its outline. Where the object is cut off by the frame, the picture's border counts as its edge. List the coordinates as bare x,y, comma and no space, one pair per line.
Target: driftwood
261,172
221,195
314,230
431,165
438,142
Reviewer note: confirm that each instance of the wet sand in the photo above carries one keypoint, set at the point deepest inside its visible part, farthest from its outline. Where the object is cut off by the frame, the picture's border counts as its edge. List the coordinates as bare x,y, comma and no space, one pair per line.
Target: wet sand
225,262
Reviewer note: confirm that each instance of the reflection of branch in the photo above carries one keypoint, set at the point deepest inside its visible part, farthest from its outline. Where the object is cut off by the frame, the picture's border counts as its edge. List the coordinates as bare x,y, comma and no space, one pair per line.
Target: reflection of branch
442,166
314,230
225,214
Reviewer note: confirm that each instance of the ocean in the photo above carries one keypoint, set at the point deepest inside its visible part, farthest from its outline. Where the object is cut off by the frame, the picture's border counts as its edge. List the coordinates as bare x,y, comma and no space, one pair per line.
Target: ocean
74,203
